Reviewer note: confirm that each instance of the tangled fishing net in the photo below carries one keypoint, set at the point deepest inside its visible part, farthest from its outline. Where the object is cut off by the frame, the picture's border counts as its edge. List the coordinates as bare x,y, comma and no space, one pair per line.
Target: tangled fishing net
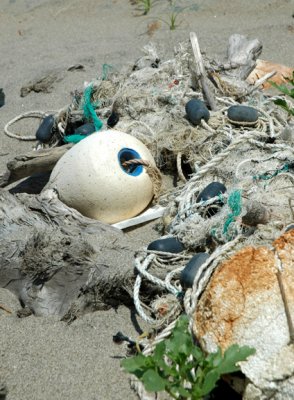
255,162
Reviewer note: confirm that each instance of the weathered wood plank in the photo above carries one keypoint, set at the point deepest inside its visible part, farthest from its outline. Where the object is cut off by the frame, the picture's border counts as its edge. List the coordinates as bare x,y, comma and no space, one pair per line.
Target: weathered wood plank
28,164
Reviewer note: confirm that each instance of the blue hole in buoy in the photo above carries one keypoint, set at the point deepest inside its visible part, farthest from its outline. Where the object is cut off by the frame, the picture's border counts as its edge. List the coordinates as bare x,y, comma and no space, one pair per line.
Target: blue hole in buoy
126,155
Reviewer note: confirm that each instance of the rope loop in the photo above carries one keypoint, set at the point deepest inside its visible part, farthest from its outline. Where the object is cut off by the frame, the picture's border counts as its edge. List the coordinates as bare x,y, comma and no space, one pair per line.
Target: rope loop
29,114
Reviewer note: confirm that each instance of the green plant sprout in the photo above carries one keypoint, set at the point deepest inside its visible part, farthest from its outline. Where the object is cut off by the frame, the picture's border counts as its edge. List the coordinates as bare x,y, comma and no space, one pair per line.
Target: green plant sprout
182,369
146,5
172,21
174,14
288,92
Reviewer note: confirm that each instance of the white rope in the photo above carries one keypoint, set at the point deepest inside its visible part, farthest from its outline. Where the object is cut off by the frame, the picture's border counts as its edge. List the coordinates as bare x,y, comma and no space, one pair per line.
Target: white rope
165,333
179,168
203,275
207,127
137,286
271,146
171,275
270,121
29,114
142,267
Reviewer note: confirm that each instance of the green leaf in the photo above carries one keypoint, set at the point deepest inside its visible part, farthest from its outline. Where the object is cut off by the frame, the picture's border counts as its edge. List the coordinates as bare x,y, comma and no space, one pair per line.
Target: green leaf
183,392
215,359
182,323
281,102
152,381
281,88
210,381
233,355
159,351
197,353
181,340
136,365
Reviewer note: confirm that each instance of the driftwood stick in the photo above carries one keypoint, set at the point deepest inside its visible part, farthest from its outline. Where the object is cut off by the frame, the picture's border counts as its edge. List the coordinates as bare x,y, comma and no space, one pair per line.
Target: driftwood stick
200,72
33,162
286,306
243,52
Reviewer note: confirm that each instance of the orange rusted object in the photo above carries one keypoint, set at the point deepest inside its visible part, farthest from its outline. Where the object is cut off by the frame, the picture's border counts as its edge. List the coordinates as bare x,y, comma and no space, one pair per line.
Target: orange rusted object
241,290
264,67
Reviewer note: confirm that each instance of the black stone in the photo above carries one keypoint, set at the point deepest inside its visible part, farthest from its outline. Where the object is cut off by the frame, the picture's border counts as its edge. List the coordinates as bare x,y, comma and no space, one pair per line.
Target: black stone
113,119
289,228
2,98
71,126
212,190
85,129
45,130
196,111
189,272
243,114
167,245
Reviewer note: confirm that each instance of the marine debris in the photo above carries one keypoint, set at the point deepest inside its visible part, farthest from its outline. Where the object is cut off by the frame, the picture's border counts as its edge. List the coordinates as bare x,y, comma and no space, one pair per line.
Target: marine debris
222,140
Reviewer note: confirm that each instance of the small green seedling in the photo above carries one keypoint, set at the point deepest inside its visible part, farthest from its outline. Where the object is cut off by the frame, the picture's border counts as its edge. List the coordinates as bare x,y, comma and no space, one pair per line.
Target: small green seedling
288,92
182,369
146,5
173,17
173,20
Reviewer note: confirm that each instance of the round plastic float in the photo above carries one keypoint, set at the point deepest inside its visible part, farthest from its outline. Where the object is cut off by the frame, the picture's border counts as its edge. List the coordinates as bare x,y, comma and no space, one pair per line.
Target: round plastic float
91,177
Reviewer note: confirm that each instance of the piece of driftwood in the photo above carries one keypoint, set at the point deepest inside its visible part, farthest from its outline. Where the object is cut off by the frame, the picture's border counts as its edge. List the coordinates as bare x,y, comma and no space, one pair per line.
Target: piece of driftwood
43,84
243,52
200,72
58,262
34,162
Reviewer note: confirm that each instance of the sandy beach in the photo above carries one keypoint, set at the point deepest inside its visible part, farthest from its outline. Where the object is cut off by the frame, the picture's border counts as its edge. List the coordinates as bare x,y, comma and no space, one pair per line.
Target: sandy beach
43,358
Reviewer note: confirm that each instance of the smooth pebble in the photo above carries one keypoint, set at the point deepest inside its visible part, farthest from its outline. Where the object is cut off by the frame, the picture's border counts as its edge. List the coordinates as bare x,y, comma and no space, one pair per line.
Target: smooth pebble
85,129
45,131
212,190
167,245
196,111
189,272
242,115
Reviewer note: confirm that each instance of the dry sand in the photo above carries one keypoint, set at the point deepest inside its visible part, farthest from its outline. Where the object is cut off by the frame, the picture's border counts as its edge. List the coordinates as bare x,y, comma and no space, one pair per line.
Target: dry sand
42,358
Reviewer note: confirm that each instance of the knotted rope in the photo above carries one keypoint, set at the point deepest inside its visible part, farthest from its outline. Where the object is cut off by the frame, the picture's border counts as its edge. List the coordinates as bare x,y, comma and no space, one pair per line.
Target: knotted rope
152,171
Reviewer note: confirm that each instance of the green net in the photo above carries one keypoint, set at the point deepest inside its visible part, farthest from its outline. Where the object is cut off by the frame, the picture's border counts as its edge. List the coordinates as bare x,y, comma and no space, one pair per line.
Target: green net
89,110
235,204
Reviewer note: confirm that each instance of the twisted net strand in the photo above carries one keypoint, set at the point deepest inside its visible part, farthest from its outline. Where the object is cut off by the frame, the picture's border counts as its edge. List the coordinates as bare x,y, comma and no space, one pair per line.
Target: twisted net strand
153,173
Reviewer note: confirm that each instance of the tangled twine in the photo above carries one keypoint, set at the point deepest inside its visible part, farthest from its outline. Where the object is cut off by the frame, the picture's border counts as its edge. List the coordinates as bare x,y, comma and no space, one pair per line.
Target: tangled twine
153,173
151,103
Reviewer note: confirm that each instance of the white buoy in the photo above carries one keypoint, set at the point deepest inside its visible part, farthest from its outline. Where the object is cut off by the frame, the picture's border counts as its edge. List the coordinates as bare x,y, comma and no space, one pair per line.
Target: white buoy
90,177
